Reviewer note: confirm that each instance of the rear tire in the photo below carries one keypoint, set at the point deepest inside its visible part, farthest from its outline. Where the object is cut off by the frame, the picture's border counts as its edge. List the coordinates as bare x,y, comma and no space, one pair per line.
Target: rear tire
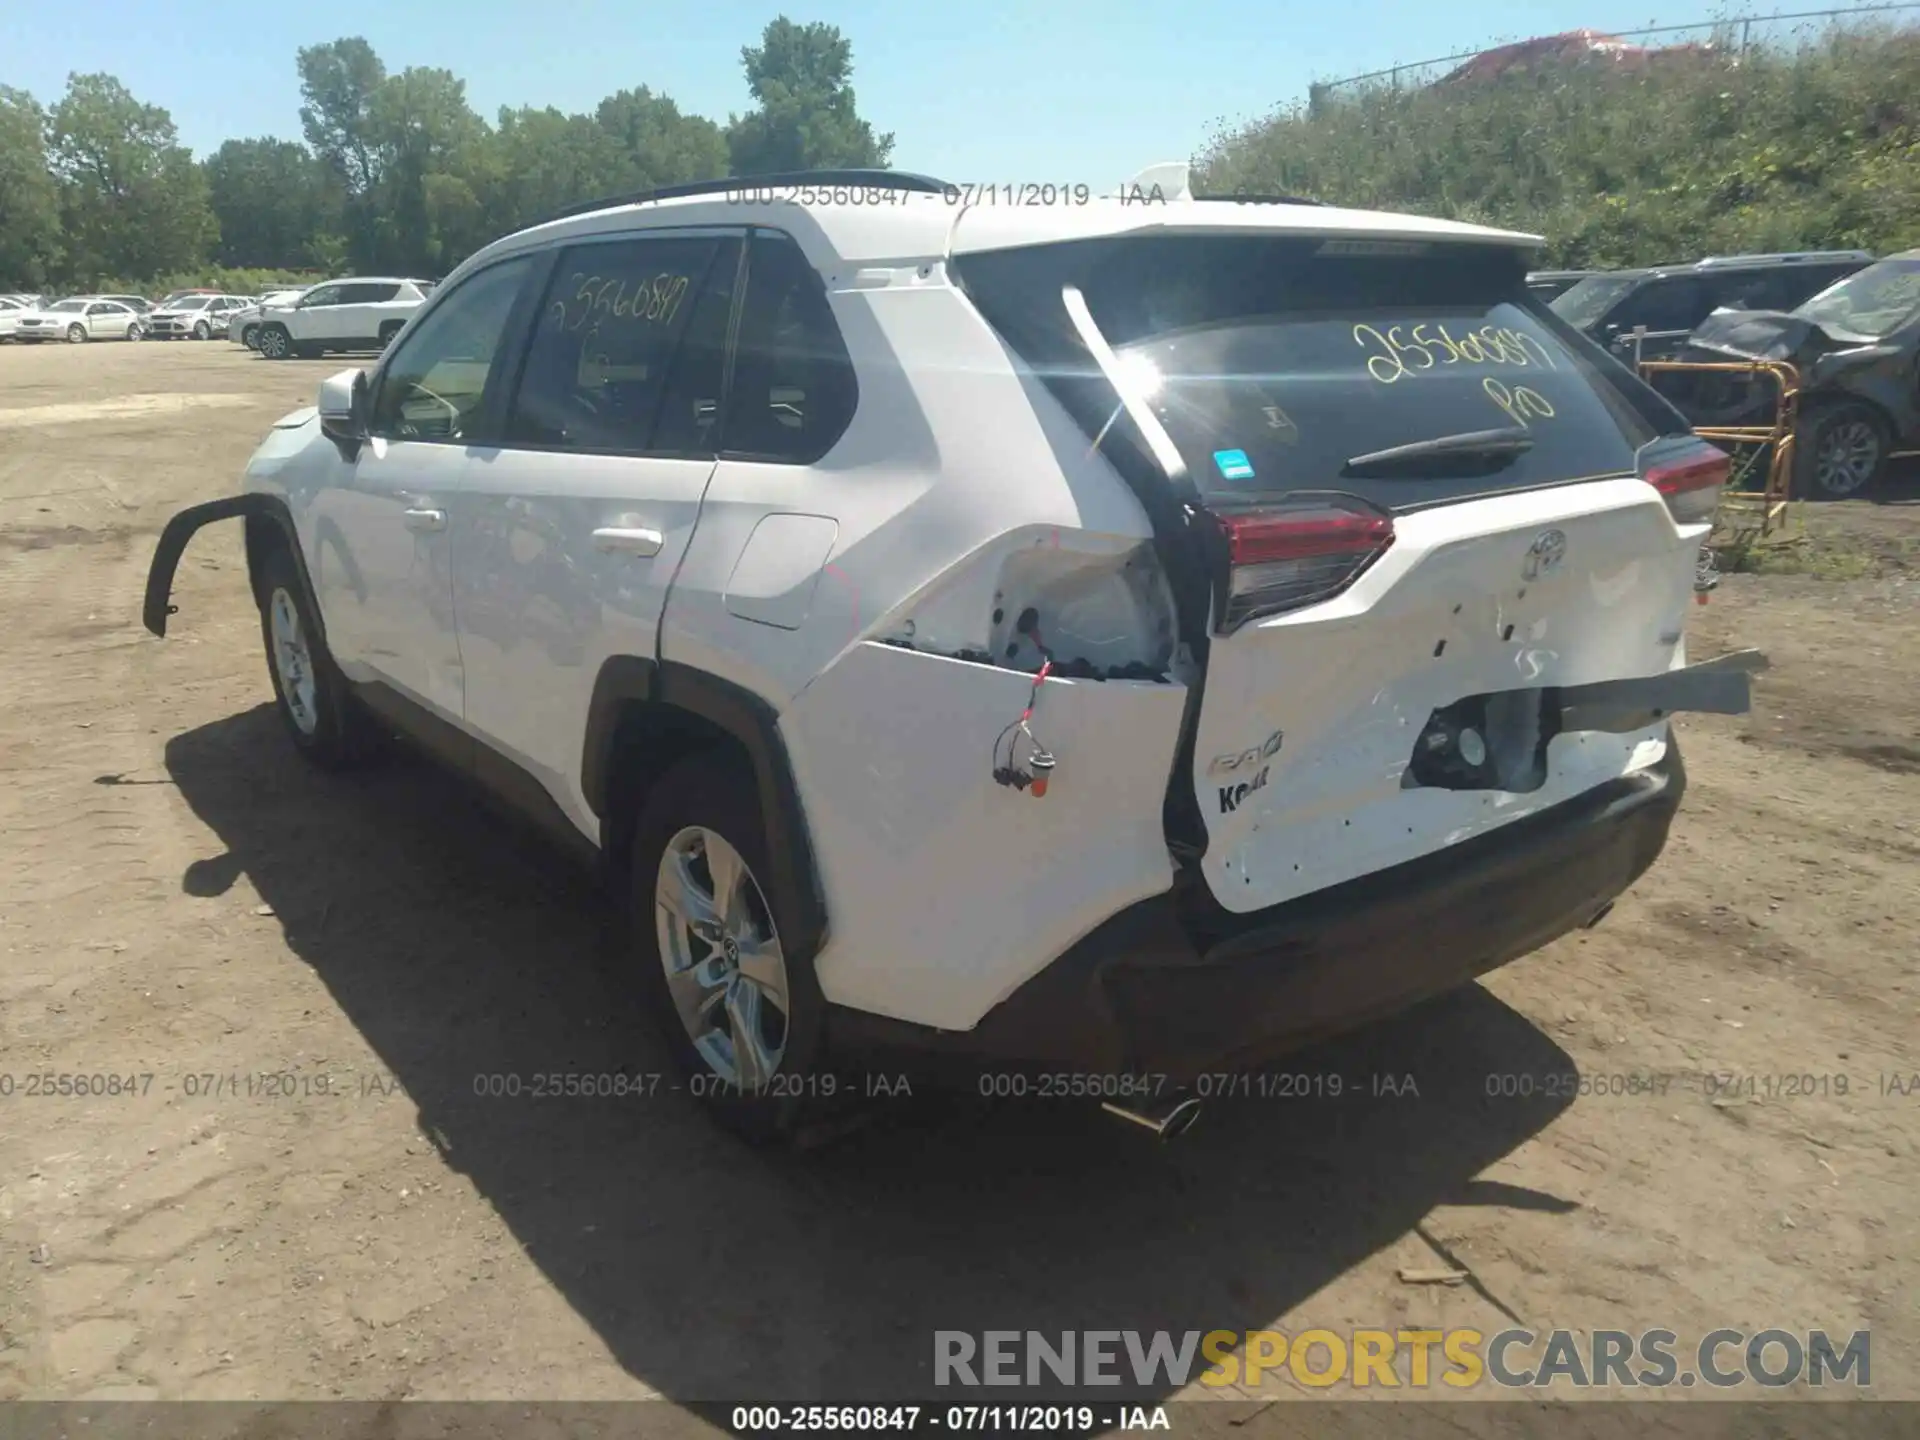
250,337
1840,451
275,342
706,979
327,724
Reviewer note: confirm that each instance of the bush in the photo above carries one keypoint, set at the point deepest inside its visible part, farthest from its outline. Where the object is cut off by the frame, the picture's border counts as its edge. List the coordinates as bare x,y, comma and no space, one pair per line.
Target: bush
1782,148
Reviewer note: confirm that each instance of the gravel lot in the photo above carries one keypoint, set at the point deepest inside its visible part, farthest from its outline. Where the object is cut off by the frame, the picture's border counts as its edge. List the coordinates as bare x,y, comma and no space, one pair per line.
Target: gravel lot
184,900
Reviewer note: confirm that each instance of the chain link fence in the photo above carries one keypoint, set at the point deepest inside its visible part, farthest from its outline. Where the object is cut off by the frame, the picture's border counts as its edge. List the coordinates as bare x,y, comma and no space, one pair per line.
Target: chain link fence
1732,35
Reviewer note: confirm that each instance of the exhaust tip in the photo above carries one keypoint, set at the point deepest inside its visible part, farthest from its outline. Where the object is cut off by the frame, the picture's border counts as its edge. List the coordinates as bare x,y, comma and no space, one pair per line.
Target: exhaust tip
1168,1124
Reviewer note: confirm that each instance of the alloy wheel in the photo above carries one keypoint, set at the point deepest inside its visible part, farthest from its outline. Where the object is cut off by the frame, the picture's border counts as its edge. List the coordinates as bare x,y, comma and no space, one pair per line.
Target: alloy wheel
725,969
1848,456
293,661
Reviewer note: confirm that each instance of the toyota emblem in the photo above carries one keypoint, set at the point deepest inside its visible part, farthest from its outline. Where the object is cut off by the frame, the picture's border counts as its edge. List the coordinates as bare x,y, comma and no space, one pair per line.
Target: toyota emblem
1547,553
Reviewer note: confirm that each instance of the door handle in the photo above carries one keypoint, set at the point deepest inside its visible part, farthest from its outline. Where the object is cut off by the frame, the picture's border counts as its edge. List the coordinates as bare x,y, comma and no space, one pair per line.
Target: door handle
628,542
425,519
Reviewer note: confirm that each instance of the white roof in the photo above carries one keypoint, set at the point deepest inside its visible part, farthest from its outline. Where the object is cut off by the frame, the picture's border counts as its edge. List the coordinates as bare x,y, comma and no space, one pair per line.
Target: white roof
912,226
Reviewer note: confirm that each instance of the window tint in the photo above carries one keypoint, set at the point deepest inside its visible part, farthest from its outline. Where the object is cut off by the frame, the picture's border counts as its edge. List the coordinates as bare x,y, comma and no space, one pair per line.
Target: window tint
1751,290
101,309
323,295
611,320
689,421
1676,304
1270,365
793,391
434,382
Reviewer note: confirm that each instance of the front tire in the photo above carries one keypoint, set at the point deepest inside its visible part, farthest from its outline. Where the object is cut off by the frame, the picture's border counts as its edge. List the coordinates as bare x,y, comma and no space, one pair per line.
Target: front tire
275,342
327,724
743,1017
202,331
133,331
76,334
1840,452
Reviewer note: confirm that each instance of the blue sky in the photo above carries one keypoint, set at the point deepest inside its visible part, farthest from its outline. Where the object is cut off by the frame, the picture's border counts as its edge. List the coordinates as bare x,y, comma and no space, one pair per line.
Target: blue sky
986,91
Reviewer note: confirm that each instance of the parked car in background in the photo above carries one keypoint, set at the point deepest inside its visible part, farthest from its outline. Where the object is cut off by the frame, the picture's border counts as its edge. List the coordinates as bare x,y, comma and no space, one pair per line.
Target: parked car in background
363,313
1660,306
174,297
197,317
1546,284
10,312
1856,346
243,326
82,318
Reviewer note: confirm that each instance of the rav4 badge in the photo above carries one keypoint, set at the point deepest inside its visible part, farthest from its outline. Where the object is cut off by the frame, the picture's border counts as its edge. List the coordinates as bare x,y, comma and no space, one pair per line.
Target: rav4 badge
1244,759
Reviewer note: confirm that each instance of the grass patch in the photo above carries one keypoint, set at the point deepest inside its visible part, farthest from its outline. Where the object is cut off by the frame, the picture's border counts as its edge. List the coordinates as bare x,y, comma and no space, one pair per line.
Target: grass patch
1825,554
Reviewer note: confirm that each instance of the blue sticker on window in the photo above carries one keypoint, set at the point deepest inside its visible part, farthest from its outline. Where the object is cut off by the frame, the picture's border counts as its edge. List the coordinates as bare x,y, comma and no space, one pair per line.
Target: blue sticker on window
1234,464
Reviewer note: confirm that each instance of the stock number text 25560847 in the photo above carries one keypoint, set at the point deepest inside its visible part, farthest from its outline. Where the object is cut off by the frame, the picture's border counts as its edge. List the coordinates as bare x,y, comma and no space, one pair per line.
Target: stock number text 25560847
1408,351
646,300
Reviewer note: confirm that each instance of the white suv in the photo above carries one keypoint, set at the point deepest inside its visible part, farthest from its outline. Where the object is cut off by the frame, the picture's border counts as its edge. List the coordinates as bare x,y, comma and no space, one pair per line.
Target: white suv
1123,640
359,314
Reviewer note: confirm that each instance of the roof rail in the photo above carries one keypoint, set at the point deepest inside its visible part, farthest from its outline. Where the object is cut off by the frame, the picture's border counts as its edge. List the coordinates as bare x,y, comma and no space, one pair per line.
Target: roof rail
1788,257
862,179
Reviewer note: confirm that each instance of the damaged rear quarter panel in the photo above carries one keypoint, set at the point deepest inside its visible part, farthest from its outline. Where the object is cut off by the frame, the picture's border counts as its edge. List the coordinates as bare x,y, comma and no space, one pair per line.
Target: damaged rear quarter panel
947,890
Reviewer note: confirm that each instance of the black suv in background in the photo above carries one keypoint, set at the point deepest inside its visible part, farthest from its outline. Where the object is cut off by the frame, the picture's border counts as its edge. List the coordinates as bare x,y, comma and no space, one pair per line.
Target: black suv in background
1667,302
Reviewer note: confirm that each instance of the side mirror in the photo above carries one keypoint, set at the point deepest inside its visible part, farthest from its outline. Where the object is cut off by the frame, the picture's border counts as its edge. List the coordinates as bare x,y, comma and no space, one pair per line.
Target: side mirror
343,407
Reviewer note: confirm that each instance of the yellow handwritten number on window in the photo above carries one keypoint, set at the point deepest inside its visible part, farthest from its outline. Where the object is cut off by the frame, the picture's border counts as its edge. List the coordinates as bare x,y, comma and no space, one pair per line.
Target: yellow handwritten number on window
1519,402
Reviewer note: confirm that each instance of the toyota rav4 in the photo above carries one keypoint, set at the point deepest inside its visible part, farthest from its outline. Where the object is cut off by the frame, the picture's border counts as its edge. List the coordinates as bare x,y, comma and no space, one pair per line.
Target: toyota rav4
1127,640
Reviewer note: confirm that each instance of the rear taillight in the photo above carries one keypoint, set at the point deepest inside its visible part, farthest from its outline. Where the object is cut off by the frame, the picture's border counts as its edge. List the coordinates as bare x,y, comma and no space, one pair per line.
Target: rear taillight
1283,558
1691,481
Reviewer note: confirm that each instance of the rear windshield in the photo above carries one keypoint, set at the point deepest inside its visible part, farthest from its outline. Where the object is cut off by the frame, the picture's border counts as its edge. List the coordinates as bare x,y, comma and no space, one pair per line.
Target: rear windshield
1586,303
1271,364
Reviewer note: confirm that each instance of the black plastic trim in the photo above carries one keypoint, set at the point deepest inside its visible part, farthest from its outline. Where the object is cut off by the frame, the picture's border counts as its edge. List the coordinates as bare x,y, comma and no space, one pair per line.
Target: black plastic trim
187,523
623,680
511,786
797,897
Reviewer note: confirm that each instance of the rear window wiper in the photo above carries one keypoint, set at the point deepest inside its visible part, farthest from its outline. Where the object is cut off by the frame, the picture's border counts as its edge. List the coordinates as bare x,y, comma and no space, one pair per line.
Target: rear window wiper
1490,449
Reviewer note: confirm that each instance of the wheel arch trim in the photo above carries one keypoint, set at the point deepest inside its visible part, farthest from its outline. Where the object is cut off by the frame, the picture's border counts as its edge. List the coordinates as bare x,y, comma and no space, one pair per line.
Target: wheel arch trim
256,507
626,680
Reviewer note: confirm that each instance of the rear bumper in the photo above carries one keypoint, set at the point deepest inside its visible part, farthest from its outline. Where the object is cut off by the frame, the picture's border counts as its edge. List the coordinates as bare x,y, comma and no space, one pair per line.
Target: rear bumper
1175,986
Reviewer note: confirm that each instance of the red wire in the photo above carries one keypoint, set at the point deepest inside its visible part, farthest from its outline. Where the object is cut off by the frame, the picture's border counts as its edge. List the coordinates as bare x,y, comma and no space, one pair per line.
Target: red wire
1038,680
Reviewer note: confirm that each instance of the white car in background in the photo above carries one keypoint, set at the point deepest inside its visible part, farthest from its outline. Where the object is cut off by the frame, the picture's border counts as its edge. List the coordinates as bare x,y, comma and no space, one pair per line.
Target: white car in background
82,318
243,326
198,317
363,313
10,312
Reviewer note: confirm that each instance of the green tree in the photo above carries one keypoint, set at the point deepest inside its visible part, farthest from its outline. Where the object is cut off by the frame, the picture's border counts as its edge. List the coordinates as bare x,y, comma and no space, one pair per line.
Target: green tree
430,157
277,204
338,83
30,241
541,160
806,118
658,144
133,203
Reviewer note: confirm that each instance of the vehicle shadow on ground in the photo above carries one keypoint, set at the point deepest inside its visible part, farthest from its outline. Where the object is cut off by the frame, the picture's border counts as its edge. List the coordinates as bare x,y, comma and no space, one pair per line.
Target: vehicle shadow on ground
461,948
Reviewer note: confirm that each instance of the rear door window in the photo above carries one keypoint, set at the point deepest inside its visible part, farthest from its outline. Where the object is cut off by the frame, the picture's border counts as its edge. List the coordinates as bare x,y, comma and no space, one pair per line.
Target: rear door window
1679,303
596,371
1270,363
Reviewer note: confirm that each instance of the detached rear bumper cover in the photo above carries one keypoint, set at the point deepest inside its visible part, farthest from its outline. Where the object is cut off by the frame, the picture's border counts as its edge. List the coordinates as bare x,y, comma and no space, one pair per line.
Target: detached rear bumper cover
1174,986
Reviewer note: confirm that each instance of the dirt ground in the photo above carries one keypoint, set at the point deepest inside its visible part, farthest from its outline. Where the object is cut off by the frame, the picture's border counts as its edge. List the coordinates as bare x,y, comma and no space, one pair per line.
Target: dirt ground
183,900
